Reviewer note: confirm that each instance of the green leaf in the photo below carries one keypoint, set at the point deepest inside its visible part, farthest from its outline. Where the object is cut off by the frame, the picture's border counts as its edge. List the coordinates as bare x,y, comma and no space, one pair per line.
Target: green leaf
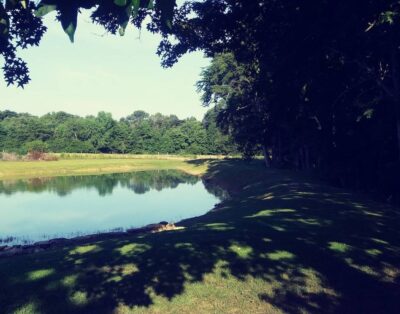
166,9
124,19
4,23
120,3
147,4
44,9
70,31
69,20
135,7
11,4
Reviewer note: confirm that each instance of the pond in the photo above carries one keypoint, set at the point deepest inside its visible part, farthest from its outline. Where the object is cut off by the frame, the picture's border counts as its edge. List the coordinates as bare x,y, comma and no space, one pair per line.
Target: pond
45,208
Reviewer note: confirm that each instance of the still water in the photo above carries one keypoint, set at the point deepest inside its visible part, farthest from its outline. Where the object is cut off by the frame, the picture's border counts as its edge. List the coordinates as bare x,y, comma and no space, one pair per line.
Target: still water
45,208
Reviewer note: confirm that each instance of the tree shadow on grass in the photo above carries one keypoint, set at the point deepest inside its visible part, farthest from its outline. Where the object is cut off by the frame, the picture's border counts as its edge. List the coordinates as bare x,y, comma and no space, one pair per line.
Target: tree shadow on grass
309,247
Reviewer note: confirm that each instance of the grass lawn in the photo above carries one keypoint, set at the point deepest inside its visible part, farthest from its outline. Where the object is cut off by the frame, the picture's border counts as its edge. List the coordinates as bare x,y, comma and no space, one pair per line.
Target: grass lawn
80,166
282,243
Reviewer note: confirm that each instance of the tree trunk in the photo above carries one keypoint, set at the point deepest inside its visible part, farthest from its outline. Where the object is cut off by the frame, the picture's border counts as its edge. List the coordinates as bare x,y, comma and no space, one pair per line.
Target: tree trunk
307,158
397,109
301,158
267,160
396,95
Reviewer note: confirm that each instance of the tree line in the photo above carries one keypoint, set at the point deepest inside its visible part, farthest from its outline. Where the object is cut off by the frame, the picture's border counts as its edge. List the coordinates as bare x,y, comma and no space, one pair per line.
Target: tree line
137,133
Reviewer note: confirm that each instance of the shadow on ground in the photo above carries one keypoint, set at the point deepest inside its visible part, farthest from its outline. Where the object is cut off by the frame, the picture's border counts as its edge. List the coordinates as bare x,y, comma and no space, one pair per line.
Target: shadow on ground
281,243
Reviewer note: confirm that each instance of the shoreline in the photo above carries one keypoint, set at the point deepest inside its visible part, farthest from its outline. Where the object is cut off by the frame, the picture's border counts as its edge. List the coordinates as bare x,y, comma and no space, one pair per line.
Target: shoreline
41,246
47,245
85,167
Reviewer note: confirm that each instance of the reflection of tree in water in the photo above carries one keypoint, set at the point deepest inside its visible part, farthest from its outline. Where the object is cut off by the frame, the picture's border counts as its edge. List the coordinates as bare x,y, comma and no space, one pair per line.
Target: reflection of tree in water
139,182
215,190
144,181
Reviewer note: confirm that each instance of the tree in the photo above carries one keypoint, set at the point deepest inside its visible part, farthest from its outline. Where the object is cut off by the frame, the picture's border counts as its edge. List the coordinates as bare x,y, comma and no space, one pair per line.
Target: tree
230,86
217,141
3,137
7,114
137,117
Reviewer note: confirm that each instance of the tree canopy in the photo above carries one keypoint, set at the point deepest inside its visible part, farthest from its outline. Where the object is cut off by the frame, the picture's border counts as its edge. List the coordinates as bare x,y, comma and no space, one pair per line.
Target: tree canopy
157,133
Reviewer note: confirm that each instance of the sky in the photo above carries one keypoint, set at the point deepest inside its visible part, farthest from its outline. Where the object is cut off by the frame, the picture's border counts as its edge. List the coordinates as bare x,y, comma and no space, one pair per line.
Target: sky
101,72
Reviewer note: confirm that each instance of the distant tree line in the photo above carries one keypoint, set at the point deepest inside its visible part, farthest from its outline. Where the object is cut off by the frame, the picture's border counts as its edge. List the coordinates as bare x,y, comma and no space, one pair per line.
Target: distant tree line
137,133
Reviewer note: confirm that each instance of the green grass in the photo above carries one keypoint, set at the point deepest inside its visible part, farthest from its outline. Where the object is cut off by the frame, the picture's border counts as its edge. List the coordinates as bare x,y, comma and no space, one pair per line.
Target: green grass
24,169
137,156
282,244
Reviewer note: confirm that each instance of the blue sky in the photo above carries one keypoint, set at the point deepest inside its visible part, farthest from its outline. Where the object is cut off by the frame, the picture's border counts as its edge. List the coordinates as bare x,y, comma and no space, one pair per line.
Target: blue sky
102,72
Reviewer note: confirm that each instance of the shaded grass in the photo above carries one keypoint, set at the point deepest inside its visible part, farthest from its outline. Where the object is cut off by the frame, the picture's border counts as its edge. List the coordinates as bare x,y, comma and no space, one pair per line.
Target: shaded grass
282,243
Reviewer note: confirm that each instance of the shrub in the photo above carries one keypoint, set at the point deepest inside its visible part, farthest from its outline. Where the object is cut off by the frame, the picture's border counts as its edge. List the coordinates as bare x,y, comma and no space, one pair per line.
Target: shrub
50,157
37,147
36,155
9,156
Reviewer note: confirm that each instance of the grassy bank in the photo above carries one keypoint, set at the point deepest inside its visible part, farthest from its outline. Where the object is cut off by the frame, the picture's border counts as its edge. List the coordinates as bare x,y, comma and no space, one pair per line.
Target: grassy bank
283,243
93,165
137,156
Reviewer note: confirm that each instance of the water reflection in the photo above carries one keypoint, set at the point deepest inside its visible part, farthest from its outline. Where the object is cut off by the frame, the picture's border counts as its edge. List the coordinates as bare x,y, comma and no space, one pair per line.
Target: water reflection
139,182
44,208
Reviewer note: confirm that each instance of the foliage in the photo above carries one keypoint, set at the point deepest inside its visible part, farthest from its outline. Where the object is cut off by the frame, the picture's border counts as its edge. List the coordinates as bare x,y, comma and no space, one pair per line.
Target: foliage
21,24
137,133
36,146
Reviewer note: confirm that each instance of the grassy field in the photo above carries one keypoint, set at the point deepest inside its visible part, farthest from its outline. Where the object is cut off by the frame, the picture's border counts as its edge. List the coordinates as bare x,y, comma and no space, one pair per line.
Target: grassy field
136,156
79,165
282,244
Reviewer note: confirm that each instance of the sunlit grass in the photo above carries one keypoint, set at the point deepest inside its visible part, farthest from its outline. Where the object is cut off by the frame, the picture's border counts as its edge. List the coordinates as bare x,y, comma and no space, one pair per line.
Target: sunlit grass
280,255
39,274
85,249
373,252
339,247
242,251
271,212
28,308
133,248
70,281
86,166
218,226
79,298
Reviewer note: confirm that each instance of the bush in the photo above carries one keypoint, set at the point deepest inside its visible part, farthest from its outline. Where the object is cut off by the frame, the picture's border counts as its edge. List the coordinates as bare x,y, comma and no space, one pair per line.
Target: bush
9,156
37,147
50,157
36,155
